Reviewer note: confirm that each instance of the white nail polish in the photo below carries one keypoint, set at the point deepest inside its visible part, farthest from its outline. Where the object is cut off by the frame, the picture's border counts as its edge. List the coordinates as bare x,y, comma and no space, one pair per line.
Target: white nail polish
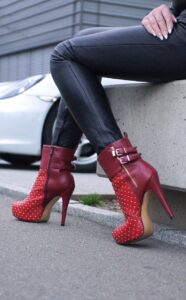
165,36
161,37
169,30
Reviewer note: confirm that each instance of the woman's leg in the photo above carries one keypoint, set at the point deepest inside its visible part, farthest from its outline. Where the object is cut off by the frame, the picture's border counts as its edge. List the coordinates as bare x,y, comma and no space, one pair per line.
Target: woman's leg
66,132
54,178
128,53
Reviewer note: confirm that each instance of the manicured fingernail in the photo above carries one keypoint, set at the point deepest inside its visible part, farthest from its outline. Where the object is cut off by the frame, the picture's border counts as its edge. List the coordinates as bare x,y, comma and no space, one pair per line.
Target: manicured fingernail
161,37
154,34
169,30
165,35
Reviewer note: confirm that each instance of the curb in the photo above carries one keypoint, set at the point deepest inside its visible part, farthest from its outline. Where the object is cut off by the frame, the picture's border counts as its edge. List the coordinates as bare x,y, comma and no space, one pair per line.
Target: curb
104,217
113,219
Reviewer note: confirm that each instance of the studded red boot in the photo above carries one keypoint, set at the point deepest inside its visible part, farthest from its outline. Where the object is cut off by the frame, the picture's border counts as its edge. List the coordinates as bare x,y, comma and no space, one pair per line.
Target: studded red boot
132,179
54,180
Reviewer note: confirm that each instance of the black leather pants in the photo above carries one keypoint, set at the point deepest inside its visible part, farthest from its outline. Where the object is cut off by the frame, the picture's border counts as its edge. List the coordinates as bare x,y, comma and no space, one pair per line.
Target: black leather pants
118,52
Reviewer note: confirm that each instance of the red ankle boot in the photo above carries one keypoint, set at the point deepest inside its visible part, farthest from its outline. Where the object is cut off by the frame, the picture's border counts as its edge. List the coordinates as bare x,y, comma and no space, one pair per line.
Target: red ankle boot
132,179
53,181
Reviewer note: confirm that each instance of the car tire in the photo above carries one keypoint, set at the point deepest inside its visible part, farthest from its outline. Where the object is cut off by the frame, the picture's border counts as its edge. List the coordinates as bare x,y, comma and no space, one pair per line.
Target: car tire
49,124
86,157
88,168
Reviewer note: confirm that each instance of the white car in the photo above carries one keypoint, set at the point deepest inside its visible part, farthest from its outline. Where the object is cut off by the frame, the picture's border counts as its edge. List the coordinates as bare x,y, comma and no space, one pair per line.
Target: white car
28,110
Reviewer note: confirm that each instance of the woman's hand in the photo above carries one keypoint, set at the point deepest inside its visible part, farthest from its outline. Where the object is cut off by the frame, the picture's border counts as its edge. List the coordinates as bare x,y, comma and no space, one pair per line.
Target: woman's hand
160,21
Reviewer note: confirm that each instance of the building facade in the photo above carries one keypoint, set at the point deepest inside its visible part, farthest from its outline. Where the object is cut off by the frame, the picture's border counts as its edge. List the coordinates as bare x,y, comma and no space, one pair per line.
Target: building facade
29,29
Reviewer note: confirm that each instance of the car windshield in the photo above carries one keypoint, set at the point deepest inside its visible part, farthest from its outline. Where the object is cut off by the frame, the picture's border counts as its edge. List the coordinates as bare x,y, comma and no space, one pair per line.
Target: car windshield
19,87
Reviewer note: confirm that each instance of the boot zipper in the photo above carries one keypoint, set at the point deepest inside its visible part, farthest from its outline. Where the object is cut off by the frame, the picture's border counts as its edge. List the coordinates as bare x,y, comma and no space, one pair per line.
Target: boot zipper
134,182
48,174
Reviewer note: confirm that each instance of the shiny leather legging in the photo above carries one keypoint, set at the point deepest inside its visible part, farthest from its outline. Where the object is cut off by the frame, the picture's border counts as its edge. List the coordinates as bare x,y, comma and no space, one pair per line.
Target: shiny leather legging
118,52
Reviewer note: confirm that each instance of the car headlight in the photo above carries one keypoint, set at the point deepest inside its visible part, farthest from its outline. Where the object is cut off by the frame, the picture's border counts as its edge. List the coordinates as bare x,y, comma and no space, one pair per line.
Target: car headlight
20,86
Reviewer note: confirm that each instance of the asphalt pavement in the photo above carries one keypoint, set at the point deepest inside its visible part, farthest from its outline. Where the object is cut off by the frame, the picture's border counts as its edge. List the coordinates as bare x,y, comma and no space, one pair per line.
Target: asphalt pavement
81,261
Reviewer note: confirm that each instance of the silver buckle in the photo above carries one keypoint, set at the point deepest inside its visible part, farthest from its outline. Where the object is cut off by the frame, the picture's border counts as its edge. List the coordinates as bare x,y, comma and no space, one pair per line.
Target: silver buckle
113,151
128,157
118,153
122,160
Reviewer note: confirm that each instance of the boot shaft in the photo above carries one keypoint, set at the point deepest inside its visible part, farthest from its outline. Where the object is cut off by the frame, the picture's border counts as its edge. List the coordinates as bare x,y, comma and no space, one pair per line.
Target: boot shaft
122,157
57,157
56,161
117,154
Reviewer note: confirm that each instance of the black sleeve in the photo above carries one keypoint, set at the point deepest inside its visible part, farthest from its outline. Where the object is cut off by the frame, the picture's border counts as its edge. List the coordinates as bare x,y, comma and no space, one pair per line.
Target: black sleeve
177,6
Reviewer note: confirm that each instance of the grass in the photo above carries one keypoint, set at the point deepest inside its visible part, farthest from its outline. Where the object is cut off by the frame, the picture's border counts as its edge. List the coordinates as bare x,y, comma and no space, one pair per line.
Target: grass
91,199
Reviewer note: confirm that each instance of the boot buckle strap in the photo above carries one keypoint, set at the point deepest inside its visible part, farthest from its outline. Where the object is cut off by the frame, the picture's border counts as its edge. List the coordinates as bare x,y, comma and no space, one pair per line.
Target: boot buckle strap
123,159
123,151
120,151
127,158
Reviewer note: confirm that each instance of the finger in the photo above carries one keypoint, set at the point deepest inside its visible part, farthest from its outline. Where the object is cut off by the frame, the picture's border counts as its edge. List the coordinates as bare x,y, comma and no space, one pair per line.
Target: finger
168,17
148,27
174,19
161,23
155,26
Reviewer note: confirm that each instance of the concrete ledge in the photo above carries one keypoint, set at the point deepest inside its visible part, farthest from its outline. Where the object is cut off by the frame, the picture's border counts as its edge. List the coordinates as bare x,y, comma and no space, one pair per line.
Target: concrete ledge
154,116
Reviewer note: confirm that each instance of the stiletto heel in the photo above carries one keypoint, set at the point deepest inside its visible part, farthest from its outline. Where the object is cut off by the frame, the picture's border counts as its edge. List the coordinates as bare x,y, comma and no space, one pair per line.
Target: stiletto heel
154,185
65,202
133,179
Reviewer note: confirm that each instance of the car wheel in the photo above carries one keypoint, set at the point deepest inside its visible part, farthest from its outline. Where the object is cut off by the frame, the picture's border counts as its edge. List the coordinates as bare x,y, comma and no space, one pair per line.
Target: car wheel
86,157
49,125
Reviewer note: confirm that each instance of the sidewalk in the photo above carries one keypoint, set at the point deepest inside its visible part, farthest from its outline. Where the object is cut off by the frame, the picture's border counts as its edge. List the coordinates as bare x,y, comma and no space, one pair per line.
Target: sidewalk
81,261
17,183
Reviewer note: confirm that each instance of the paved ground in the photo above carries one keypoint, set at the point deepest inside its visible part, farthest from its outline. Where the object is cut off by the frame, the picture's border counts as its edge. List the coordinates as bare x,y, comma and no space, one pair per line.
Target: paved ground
81,262
17,182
